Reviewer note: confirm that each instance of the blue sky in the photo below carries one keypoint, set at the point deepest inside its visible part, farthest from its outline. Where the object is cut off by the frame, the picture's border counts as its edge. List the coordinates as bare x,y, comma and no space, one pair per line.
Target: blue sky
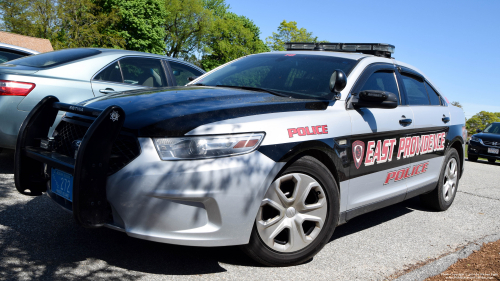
455,43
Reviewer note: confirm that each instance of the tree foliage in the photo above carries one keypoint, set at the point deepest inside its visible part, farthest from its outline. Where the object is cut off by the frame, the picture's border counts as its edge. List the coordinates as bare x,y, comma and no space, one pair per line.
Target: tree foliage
140,23
289,32
457,104
480,120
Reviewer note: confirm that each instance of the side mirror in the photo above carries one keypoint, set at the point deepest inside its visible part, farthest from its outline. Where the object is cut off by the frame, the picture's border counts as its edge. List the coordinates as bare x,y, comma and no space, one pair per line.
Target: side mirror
192,78
338,80
376,99
478,130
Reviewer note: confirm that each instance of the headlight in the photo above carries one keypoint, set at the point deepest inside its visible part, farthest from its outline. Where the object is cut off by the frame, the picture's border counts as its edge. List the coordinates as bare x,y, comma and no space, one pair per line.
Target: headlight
476,139
207,146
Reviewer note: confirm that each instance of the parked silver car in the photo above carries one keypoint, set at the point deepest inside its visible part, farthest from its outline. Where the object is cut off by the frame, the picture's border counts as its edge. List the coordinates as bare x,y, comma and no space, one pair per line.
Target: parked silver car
74,75
11,52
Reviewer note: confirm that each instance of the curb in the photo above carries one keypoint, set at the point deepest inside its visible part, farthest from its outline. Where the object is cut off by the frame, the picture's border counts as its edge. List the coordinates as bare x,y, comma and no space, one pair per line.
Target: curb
438,266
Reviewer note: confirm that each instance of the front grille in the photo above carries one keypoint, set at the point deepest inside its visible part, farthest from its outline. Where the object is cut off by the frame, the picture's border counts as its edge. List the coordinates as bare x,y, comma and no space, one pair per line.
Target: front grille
125,148
492,143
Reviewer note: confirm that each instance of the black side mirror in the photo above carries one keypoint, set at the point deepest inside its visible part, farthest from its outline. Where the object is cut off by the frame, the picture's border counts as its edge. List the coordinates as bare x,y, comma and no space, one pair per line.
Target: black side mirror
478,130
338,80
192,78
376,99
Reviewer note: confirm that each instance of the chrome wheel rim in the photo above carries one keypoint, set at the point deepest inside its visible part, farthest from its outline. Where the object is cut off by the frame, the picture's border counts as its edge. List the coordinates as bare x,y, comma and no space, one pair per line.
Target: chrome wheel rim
292,213
450,179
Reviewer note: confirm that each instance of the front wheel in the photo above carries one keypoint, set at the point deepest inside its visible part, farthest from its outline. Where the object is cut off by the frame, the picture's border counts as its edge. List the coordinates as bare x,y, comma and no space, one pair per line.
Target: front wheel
492,160
297,216
441,198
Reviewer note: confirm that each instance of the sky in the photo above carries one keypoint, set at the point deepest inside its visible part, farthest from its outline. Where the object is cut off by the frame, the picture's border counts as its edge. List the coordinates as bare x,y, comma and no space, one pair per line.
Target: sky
455,43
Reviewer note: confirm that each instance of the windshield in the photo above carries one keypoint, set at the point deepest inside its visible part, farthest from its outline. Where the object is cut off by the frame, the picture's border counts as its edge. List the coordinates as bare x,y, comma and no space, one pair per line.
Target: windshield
493,128
55,58
299,76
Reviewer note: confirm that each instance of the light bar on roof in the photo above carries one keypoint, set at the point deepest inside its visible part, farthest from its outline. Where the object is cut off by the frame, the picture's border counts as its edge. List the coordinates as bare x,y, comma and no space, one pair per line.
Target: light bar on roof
377,49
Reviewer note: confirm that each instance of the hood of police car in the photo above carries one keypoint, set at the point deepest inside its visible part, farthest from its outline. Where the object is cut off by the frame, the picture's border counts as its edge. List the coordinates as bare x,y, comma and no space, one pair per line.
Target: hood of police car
174,111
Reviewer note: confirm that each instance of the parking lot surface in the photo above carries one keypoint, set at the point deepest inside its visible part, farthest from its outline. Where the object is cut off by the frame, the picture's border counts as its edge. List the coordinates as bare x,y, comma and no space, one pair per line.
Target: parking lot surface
40,241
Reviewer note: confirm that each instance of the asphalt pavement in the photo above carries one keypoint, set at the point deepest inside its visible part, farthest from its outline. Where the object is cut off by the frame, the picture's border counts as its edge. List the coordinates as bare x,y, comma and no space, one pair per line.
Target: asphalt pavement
40,241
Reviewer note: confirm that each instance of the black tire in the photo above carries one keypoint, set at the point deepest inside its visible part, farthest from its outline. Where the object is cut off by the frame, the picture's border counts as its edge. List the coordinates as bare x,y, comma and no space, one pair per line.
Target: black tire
436,198
492,160
263,254
472,158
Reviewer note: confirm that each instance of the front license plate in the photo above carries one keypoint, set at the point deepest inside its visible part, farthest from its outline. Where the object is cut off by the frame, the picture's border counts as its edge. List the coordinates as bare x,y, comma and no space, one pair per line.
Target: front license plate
493,150
61,184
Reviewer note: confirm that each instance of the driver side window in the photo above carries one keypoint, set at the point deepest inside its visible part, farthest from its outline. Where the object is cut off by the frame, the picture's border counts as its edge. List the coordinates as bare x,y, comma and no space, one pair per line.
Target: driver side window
382,81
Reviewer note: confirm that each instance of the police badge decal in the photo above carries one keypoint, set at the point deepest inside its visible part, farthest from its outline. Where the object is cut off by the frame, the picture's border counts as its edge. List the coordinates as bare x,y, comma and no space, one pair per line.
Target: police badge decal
358,147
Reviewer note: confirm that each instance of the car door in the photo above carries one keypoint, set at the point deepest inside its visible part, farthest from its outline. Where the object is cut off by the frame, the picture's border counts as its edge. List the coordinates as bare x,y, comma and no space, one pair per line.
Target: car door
129,73
430,125
376,132
181,73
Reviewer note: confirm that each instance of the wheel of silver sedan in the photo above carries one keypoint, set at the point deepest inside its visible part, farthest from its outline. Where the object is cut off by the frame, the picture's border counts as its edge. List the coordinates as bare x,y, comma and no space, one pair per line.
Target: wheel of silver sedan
292,213
450,180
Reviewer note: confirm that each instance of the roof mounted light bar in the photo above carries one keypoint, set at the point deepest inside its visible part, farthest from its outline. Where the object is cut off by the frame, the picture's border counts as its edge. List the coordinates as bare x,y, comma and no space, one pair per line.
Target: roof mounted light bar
376,49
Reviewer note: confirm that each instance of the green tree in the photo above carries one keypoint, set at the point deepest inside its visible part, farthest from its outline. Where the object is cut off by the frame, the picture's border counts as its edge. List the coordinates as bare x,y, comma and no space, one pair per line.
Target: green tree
289,32
84,24
231,37
480,120
457,104
140,23
186,25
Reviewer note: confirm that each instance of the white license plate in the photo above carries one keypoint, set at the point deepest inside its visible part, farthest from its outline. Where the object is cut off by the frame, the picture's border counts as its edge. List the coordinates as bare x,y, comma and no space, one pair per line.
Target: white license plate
493,150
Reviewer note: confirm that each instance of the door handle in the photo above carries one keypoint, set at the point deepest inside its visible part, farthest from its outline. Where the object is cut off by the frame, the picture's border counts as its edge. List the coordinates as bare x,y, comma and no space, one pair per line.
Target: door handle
445,119
107,91
405,121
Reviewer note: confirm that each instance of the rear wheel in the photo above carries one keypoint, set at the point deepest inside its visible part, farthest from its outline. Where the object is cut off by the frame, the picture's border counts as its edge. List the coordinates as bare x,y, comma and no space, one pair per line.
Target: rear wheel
492,160
441,198
297,216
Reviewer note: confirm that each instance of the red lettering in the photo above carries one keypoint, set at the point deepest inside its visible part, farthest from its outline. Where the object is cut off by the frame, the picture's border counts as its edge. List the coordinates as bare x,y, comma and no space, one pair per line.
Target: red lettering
424,167
310,133
318,130
302,131
416,170
425,144
431,143
407,147
401,147
406,173
291,132
325,129
414,143
390,176
400,175
385,151
443,140
369,153
393,143
378,150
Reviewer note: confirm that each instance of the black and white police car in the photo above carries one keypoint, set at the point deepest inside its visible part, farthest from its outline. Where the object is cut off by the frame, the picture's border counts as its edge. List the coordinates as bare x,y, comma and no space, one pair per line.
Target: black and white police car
271,151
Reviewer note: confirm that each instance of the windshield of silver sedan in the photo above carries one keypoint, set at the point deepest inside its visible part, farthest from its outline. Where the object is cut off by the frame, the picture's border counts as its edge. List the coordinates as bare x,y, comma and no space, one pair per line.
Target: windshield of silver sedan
296,75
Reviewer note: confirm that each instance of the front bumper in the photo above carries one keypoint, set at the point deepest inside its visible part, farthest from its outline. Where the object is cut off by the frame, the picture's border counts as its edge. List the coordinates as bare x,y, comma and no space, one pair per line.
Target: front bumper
479,150
210,202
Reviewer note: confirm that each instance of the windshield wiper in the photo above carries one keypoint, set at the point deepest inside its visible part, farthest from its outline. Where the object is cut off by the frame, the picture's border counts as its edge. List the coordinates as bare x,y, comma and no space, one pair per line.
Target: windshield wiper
256,89
197,84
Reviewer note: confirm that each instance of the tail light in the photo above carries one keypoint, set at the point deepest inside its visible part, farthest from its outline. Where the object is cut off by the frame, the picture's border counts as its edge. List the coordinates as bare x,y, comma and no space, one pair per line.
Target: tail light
13,88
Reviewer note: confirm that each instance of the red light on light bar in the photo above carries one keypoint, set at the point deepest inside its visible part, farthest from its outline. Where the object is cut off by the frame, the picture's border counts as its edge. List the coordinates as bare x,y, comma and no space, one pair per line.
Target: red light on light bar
13,88
244,143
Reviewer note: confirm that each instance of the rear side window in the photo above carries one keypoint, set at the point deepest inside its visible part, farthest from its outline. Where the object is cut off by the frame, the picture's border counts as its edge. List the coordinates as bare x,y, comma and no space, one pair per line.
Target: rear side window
182,72
111,73
7,56
55,58
433,96
381,81
143,72
415,90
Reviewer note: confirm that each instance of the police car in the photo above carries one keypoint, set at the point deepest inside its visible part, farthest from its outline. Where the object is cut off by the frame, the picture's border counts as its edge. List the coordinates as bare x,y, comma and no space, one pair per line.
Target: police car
271,151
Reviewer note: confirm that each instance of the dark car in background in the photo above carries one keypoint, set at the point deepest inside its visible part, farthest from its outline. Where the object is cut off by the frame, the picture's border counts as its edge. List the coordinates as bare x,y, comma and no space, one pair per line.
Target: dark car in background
485,144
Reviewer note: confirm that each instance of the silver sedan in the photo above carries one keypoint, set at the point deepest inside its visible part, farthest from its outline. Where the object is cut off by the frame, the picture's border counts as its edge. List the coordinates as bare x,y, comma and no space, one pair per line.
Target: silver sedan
75,75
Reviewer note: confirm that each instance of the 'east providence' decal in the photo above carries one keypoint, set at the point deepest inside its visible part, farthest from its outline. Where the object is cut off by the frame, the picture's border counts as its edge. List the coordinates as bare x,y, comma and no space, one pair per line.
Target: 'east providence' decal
378,152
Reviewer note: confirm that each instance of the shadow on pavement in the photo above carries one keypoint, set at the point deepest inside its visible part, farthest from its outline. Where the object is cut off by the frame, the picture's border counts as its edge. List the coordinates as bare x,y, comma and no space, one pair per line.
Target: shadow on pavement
39,240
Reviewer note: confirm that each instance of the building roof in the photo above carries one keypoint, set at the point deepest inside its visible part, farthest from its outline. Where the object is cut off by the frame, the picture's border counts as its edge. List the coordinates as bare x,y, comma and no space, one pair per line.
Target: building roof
33,43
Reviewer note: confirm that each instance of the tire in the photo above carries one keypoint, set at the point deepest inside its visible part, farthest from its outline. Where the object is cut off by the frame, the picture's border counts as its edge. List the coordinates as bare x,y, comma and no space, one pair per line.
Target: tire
285,236
492,160
441,198
472,158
